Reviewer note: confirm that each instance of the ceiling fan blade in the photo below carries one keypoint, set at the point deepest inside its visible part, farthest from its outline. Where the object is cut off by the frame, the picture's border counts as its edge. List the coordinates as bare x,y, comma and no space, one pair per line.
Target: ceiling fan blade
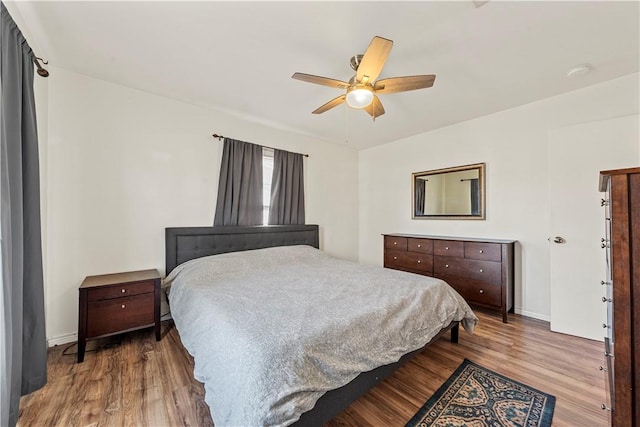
373,60
403,84
320,80
329,105
375,109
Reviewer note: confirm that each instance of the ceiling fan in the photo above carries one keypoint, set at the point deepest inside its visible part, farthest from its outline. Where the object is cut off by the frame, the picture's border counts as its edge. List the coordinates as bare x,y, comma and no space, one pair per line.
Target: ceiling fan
362,88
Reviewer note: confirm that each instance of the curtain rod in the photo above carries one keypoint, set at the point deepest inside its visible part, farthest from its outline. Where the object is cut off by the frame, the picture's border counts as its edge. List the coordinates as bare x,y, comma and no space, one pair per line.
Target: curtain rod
219,137
41,71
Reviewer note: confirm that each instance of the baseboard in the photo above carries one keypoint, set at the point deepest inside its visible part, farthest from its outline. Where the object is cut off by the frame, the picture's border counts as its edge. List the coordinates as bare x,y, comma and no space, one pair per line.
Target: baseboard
62,339
532,314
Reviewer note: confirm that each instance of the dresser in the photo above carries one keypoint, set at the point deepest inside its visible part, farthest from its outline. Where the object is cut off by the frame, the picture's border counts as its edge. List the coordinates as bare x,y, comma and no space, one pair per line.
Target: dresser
621,289
111,304
481,270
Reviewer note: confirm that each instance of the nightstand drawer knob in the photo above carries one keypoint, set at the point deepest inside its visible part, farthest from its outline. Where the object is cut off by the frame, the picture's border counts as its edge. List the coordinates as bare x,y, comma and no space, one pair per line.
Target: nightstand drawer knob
395,243
419,261
482,291
446,248
481,271
395,258
446,266
124,290
481,251
419,245
123,305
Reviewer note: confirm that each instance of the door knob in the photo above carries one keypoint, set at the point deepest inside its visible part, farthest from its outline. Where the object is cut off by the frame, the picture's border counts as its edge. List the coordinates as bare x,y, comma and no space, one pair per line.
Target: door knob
559,239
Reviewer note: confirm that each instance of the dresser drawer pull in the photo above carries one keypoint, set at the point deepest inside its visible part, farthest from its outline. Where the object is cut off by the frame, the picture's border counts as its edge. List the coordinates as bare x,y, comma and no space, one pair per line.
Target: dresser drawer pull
124,290
482,291
419,261
605,299
605,407
395,258
481,271
446,248
395,243
446,266
419,245
122,305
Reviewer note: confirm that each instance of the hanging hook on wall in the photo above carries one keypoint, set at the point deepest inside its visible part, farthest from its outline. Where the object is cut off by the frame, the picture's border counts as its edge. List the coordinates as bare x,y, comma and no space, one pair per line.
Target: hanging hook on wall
41,71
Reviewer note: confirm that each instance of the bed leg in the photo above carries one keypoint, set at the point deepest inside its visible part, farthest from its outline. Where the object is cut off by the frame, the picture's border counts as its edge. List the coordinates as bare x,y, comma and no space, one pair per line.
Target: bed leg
454,333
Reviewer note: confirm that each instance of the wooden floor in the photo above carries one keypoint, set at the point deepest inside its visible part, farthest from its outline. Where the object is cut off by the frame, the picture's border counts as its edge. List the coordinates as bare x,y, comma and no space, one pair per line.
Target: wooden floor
134,380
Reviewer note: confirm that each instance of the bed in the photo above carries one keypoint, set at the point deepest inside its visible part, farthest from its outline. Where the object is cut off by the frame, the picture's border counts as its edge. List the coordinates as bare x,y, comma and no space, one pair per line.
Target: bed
282,333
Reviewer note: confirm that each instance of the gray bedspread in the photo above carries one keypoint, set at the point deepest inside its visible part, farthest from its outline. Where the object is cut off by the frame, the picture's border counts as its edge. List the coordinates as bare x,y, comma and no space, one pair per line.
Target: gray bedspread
272,330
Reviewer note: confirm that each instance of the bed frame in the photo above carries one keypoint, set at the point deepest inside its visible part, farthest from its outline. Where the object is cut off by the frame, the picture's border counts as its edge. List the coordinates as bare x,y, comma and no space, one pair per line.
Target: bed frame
186,243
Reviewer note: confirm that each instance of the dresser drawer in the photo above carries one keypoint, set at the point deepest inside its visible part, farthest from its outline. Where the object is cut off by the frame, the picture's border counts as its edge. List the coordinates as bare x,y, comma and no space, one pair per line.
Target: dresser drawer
394,258
484,271
476,292
483,251
416,261
424,246
119,314
393,242
448,248
408,261
120,290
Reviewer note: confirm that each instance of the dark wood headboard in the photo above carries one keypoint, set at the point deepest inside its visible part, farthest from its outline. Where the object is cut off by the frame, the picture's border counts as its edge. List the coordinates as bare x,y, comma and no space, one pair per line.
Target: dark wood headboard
185,243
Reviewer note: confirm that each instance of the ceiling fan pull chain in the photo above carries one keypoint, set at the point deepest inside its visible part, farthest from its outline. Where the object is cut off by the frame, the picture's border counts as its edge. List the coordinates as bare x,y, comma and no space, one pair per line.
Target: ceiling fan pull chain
346,124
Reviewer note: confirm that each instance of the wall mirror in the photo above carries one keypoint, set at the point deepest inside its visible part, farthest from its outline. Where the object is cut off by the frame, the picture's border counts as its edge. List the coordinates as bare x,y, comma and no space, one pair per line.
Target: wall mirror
450,193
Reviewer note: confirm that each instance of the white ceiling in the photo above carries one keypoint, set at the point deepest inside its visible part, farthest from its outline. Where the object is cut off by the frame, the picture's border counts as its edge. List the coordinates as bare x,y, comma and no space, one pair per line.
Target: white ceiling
239,56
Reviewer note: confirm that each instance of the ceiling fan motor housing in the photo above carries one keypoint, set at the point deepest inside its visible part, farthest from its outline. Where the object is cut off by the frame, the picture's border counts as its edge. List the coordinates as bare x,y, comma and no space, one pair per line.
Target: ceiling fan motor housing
355,61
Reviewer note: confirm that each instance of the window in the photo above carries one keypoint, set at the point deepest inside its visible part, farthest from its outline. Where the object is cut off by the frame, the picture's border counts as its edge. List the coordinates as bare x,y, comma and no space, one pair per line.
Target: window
267,175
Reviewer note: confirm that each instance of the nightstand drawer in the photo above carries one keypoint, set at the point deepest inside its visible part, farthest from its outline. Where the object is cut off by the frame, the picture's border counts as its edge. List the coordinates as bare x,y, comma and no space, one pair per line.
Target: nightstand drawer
120,314
120,290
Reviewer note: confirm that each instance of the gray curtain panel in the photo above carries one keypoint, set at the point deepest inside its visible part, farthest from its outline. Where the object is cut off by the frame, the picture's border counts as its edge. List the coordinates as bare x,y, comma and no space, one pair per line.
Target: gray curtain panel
287,189
240,184
24,346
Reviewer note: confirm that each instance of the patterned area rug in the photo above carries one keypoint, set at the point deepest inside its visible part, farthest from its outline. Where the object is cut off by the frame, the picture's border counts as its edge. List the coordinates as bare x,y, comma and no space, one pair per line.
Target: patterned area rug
476,397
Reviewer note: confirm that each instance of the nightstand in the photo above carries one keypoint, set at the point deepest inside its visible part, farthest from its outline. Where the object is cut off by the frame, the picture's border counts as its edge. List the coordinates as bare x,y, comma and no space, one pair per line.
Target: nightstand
112,304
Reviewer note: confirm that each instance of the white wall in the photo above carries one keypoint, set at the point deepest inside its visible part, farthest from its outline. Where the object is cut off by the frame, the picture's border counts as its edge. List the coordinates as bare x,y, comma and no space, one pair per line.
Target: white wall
120,165
513,144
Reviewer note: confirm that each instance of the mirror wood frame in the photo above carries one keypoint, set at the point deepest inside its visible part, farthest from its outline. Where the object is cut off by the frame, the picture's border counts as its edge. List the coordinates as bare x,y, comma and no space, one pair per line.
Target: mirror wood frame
481,188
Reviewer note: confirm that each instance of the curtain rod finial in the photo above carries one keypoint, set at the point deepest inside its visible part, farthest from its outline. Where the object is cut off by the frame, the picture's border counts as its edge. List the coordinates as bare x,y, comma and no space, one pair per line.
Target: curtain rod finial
41,71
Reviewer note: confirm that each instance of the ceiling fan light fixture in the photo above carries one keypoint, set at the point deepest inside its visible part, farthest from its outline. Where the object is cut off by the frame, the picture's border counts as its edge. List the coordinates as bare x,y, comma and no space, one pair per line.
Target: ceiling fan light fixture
359,96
